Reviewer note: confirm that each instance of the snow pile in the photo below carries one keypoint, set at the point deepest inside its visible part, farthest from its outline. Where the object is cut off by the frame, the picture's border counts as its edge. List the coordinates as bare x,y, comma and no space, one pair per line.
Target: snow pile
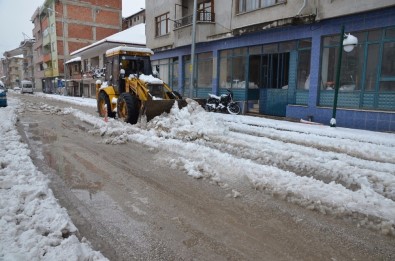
33,226
187,124
149,79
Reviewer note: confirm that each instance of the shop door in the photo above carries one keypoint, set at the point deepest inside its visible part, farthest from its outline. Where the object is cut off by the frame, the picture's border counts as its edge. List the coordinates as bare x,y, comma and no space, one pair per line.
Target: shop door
271,82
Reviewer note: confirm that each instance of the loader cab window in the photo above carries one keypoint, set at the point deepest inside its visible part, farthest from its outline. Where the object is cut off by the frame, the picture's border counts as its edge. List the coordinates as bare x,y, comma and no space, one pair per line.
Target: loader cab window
136,65
108,70
112,71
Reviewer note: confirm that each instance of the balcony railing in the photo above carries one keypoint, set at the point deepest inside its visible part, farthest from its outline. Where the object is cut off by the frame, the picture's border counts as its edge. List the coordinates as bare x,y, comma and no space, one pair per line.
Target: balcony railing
202,16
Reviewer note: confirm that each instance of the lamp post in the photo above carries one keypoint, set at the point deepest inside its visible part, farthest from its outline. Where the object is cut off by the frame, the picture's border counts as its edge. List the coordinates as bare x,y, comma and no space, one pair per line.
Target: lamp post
348,42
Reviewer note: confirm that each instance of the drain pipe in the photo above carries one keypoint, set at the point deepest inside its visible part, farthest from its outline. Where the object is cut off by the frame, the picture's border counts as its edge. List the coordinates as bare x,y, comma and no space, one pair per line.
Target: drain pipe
304,5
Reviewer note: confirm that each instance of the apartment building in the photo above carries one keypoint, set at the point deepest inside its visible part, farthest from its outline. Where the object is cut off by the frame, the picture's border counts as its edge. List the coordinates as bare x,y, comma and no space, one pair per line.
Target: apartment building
134,19
280,57
61,27
26,66
12,71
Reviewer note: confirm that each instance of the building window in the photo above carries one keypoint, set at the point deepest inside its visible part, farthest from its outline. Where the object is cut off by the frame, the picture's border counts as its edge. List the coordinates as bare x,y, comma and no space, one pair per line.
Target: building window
204,11
162,24
303,80
204,70
250,5
367,78
387,81
233,67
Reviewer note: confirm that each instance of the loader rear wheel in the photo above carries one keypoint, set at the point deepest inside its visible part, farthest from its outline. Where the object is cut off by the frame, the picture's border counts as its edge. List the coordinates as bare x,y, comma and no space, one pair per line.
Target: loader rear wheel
103,103
128,108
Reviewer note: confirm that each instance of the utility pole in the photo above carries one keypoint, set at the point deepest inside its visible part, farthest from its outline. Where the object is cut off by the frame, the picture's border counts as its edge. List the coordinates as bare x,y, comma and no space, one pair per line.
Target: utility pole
192,80
64,42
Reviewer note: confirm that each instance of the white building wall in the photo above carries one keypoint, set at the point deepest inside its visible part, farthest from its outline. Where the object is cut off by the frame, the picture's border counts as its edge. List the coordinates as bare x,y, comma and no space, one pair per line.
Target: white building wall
227,22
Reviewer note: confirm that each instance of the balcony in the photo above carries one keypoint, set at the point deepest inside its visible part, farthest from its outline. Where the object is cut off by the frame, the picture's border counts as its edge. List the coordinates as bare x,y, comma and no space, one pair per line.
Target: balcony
202,17
205,26
48,72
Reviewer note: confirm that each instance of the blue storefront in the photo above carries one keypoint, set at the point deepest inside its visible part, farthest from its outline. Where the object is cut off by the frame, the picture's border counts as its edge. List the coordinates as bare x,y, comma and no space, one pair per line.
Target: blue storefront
290,71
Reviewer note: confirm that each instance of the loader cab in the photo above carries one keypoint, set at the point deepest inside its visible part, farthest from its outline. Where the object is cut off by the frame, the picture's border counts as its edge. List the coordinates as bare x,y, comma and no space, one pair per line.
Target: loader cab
133,61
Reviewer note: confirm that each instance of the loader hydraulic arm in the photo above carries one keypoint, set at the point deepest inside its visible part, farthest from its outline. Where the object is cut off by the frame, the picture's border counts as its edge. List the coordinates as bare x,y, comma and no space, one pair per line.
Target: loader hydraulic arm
134,85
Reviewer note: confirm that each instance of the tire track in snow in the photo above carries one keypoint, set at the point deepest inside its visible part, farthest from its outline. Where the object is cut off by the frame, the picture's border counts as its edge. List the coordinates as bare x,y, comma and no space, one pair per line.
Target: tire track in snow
306,161
355,148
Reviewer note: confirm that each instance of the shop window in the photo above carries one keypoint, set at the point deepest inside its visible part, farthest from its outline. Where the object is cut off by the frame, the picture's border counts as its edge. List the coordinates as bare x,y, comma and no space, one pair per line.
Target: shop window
351,69
204,70
187,73
270,48
303,81
174,73
367,77
233,68
371,67
305,43
164,70
388,68
387,86
375,35
388,63
168,71
287,46
390,33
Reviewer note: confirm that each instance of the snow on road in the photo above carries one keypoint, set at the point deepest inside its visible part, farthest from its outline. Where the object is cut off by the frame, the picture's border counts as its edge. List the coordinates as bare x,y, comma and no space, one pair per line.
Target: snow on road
33,226
344,172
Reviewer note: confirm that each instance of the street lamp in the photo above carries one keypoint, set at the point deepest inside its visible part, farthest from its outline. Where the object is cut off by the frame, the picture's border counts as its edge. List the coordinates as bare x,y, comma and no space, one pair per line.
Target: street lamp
348,42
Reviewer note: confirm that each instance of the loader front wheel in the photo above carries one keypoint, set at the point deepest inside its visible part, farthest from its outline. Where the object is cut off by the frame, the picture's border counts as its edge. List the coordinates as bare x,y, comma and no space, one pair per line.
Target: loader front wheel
103,104
128,108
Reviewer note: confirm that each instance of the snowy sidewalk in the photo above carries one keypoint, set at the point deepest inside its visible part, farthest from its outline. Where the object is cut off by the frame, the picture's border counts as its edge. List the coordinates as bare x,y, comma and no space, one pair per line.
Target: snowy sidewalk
33,226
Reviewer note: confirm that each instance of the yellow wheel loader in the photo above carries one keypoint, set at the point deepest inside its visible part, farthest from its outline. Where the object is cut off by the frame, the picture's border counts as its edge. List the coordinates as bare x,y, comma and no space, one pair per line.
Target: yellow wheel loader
130,90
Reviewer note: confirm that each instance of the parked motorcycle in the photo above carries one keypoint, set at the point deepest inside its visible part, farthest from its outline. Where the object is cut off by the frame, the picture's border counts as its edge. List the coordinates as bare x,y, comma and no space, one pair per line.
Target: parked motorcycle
222,103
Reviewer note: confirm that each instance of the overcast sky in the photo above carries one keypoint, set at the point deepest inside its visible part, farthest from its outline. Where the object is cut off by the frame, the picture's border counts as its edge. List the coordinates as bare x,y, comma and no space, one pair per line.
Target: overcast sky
15,18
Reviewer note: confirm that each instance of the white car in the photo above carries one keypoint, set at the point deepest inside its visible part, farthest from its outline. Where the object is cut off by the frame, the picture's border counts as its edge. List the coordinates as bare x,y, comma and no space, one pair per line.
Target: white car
27,86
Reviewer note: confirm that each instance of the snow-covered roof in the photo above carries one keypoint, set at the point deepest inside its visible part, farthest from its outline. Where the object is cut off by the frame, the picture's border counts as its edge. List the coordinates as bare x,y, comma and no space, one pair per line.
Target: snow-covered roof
133,35
129,49
76,59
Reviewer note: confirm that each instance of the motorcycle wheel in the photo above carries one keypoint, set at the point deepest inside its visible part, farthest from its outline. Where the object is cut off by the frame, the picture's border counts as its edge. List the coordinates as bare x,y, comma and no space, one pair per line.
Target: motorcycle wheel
233,108
210,101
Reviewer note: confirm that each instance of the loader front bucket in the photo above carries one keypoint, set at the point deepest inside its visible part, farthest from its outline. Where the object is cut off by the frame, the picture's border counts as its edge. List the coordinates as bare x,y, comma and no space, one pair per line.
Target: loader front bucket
156,107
